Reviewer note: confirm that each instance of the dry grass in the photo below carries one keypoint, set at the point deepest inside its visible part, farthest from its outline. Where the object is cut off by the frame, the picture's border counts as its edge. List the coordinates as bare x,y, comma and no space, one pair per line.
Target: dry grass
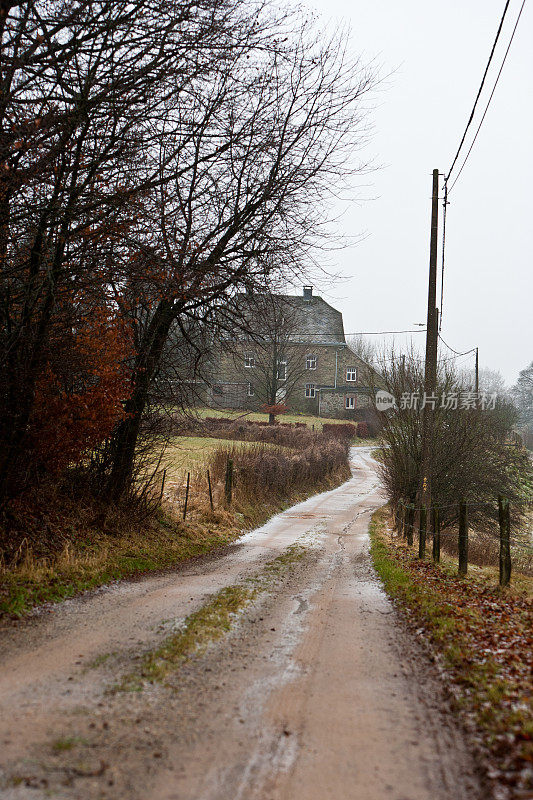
279,472
191,453
94,558
91,556
82,545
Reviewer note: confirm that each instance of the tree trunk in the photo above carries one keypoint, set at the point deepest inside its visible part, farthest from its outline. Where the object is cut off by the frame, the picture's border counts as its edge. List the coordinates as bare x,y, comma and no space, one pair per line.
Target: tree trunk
127,433
274,386
463,538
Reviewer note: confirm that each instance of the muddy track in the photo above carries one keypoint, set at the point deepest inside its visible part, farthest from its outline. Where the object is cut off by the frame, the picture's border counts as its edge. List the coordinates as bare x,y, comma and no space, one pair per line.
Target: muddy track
318,691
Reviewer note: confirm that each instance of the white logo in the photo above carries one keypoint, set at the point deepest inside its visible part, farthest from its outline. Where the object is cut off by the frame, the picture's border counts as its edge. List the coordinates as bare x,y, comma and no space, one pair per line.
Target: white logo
385,401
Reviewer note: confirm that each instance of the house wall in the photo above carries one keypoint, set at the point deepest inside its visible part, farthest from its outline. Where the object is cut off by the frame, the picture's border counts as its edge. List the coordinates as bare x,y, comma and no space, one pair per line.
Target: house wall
332,362
333,403
318,330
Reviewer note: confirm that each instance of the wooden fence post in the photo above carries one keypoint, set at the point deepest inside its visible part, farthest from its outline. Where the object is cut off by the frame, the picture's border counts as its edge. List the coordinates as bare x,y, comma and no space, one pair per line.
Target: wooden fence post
463,538
210,490
436,535
422,527
228,488
410,523
397,522
505,541
186,495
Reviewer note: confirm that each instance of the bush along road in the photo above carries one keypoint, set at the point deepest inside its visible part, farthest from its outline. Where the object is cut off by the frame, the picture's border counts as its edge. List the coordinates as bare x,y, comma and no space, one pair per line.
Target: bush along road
277,669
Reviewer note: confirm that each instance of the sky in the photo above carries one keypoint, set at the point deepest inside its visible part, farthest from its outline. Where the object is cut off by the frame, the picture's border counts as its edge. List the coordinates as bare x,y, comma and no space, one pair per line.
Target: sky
432,54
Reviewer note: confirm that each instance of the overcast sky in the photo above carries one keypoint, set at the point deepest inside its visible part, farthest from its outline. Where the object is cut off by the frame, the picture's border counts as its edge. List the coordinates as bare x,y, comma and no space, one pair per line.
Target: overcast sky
437,51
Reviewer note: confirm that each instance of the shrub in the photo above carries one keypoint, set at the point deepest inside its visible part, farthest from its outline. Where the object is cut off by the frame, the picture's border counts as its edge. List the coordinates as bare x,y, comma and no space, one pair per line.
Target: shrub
285,436
341,431
471,459
362,430
279,473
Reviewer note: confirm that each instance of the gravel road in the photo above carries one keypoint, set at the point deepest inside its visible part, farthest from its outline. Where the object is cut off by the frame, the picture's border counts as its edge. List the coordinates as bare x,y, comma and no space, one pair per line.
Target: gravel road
317,692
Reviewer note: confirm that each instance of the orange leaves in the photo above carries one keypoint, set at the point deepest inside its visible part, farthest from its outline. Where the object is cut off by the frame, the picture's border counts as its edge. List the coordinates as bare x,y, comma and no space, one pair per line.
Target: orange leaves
79,397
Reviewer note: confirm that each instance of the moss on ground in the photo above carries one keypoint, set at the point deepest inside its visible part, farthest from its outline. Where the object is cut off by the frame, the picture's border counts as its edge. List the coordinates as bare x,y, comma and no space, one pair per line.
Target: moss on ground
205,626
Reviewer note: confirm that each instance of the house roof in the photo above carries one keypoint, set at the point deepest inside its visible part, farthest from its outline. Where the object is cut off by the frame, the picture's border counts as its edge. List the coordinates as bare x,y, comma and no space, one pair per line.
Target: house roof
312,320
316,320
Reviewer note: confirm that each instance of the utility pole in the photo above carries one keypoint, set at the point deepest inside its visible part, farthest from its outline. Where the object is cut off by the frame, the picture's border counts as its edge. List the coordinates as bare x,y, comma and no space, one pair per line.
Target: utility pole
477,370
430,383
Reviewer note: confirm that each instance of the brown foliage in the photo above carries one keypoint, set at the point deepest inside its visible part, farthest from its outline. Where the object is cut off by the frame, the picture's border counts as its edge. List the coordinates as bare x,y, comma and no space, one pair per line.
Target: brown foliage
267,472
79,394
344,430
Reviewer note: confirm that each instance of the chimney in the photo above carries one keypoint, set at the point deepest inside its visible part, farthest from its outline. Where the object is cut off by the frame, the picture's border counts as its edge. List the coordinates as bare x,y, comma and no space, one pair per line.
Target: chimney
308,292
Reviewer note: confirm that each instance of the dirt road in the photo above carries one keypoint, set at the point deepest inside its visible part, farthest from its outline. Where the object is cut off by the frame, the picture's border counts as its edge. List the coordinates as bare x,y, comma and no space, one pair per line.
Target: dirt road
317,691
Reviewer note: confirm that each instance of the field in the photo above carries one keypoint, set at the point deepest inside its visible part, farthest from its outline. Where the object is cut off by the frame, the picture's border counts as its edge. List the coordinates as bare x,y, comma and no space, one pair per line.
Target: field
257,416
190,453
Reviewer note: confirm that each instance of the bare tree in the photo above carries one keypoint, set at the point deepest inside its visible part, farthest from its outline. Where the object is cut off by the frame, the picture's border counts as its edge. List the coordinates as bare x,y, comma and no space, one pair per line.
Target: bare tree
155,158
471,458
522,394
254,151
78,105
491,381
367,349
265,348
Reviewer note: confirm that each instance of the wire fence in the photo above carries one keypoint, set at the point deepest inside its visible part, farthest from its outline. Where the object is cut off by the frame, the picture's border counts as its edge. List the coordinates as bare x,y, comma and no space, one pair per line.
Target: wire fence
201,485
509,548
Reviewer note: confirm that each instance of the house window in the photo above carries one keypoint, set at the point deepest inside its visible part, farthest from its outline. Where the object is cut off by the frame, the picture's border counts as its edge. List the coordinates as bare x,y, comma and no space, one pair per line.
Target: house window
310,390
310,361
282,369
349,402
249,360
251,390
351,374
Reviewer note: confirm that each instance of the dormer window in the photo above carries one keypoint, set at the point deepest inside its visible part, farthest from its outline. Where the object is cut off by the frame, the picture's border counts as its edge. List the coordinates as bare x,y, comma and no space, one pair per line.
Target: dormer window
310,361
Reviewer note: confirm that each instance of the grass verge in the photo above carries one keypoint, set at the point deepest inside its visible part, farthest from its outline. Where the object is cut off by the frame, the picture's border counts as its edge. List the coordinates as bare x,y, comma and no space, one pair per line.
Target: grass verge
92,558
482,636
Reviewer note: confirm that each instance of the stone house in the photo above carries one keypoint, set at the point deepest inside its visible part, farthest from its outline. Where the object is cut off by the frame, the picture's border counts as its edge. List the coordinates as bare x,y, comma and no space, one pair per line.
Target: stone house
315,372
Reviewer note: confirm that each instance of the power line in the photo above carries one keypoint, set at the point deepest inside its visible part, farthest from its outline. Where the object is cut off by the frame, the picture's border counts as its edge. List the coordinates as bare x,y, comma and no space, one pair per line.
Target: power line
357,333
491,96
457,353
381,333
480,89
